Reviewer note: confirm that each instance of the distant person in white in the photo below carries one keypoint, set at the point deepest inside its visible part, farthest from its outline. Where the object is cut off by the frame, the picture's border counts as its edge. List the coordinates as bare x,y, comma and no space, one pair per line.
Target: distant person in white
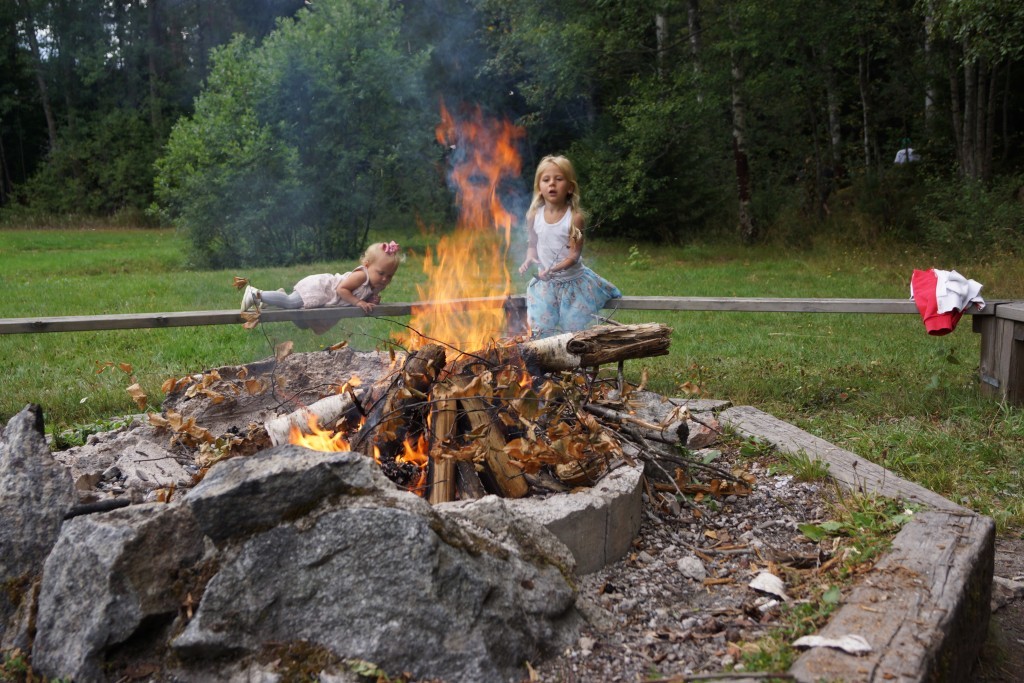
905,155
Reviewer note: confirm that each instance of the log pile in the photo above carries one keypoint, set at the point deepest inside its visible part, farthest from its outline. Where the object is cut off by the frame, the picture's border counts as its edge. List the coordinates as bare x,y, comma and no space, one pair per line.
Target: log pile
508,420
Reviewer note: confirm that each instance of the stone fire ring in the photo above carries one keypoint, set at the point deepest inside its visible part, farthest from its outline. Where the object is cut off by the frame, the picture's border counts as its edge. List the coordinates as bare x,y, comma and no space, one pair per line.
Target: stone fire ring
925,606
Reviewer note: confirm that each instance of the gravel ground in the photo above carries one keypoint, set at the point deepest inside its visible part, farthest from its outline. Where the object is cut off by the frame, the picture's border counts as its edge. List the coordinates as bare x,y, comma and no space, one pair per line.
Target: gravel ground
680,602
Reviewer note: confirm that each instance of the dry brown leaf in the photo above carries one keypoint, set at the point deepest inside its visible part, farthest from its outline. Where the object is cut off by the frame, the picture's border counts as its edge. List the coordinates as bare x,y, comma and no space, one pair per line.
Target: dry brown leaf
255,387
283,350
164,495
690,389
138,395
158,420
338,346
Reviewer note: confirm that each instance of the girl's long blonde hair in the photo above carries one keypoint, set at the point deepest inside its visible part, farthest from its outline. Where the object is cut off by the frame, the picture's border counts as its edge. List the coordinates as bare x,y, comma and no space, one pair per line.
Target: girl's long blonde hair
567,169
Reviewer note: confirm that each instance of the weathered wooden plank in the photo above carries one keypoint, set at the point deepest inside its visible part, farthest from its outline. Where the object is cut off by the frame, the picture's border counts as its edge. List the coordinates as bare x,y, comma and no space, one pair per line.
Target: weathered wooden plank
762,305
1015,366
849,469
924,608
92,323
1013,310
85,323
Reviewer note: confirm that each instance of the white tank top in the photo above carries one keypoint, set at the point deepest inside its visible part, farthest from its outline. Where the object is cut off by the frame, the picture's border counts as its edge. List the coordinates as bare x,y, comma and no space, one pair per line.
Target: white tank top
553,243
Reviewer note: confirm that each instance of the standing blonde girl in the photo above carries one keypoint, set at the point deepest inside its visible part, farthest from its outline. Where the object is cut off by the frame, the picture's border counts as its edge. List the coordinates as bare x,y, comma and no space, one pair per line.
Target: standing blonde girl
565,294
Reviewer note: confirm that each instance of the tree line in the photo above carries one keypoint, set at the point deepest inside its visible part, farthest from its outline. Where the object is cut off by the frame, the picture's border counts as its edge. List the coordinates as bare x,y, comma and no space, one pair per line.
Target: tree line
302,124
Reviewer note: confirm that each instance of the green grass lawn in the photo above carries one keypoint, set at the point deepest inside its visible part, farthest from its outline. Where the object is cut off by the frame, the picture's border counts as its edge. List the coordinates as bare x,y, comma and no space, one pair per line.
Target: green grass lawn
877,385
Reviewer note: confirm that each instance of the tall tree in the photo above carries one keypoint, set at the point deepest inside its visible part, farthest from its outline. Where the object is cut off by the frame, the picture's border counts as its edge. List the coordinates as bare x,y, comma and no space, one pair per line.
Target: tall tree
299,145
983,36
745,218
29,27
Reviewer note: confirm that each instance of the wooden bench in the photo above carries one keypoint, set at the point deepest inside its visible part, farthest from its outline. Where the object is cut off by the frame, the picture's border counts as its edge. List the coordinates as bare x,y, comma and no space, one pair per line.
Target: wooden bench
1000,323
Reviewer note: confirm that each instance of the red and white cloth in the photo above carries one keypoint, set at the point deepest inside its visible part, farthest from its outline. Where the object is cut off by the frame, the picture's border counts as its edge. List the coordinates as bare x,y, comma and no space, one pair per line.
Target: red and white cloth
942,296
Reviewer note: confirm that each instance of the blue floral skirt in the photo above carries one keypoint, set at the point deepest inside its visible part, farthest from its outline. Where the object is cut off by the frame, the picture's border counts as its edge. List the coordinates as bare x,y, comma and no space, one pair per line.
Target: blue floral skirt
556,306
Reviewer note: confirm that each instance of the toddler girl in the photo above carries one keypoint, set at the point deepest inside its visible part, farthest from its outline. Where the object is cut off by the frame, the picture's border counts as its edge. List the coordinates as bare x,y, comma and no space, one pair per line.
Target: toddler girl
359,287
565,294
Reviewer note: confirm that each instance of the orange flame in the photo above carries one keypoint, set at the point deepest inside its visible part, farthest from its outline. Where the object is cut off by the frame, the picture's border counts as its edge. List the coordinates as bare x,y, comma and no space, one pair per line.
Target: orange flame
327,441
318,439
417,456
471,263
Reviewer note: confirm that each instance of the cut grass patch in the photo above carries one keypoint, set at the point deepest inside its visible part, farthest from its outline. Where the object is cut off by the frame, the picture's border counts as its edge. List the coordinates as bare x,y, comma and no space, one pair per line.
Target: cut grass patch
876,385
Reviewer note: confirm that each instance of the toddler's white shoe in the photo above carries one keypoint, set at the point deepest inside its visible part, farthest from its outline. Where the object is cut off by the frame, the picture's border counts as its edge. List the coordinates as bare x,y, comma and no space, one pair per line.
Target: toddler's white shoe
250,299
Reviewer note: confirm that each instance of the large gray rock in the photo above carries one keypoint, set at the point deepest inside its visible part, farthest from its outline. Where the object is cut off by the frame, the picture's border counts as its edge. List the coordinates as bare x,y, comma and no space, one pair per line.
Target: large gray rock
114,580
294,546
35,494
244,495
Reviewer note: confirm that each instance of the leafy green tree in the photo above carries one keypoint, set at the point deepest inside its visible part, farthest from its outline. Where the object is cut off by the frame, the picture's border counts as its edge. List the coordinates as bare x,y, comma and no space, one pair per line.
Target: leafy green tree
298,146
90,74
613,85
983,39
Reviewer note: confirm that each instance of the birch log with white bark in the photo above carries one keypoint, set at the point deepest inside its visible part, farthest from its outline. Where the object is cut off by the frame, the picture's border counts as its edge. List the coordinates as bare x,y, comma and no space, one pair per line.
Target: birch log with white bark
597,346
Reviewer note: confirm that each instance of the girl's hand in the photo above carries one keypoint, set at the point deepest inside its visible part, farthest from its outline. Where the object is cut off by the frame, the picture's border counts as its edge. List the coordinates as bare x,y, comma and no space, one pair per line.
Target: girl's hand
530,260
365,305
544,275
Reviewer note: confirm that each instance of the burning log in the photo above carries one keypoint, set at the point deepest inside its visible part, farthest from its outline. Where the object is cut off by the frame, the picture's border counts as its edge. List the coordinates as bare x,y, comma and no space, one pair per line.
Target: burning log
494,417
324,412
597,346
504,475
401,416
442,427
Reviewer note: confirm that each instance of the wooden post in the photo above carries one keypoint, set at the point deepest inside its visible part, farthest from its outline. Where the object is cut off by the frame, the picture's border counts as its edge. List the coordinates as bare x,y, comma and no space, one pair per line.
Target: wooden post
1001,369
442,427
507,476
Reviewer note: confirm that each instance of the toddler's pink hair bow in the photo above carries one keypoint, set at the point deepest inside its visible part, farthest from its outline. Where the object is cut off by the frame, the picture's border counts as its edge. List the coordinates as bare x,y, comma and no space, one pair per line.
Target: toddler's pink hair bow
390,247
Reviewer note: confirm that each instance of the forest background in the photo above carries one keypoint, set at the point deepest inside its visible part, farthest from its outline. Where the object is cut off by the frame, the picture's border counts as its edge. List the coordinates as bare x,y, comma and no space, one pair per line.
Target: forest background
716,141
306,124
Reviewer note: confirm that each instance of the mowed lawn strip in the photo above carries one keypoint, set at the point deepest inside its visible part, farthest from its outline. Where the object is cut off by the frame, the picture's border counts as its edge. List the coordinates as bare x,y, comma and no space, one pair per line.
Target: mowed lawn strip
877,385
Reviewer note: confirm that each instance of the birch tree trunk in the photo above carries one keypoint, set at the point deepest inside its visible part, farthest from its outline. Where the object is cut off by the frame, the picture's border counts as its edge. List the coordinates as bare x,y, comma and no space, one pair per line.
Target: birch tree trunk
153,50
694,25
863,82
835,130
747,228
930,93
956,109
661,36
37,68
745,218
970,133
